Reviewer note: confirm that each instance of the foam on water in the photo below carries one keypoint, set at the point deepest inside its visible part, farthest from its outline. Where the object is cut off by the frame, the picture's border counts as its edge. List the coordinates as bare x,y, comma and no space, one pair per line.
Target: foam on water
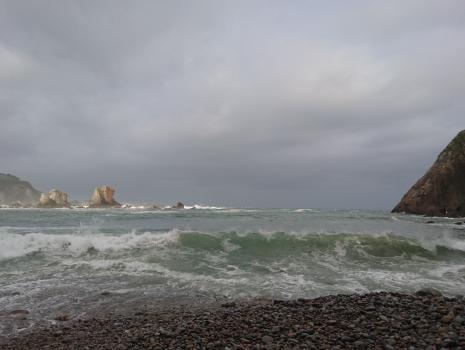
16,245
378,244
52,257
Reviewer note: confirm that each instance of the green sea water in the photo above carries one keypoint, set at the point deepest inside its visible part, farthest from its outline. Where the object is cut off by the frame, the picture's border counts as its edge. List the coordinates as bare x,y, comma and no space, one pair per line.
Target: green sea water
66,258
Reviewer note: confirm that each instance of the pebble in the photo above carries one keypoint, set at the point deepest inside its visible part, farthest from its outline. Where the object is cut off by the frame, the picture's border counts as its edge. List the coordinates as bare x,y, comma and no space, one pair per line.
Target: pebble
425,320
267,339
449,317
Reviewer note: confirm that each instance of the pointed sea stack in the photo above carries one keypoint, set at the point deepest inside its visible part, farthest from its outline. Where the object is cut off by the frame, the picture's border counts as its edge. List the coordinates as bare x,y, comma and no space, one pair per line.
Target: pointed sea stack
441,191
103,197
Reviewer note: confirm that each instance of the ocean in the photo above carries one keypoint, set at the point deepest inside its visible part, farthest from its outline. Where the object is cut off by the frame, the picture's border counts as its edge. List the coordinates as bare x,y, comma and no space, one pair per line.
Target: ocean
76,260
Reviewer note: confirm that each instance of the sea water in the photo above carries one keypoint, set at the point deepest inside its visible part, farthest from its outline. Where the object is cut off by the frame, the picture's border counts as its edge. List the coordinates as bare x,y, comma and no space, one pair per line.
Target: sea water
84,259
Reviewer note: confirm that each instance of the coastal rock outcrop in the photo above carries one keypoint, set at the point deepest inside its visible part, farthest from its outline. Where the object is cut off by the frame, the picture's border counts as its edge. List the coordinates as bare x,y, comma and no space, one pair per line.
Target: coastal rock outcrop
441,191
14,191
178,205
103,197
54,199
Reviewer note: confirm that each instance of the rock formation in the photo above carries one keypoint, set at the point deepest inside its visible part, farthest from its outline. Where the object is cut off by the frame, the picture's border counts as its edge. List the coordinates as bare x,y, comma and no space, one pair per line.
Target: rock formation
441,191
14,191
178,205
103,197
54,199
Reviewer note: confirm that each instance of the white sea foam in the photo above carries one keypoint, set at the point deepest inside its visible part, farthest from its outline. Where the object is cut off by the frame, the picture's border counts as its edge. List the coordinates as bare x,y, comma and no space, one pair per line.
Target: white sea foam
204,207
228,246
16,245
302,210
440,271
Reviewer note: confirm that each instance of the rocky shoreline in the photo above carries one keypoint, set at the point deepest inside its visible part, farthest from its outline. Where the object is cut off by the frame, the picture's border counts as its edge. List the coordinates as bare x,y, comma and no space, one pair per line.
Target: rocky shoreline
425,320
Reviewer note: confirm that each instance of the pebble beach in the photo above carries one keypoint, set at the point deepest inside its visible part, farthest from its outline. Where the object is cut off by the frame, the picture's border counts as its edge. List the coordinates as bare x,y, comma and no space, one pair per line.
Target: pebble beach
424,320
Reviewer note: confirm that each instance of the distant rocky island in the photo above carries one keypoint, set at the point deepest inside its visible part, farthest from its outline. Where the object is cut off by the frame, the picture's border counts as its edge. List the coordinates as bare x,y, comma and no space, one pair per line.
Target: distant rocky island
441,191
16,193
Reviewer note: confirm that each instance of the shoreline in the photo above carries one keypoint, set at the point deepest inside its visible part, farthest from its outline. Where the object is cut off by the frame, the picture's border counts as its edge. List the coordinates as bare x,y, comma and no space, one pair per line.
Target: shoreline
383,320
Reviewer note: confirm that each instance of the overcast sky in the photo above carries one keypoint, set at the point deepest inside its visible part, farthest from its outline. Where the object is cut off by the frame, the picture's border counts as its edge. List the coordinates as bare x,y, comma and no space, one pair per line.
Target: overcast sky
329,104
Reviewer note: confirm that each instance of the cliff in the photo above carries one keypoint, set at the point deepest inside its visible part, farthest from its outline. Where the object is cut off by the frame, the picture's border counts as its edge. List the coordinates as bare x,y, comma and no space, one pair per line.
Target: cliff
14,191
441,191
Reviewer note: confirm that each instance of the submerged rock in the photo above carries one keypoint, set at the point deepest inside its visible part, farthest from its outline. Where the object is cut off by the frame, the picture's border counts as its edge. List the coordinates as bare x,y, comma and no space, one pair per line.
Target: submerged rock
54,199
441,191
103,197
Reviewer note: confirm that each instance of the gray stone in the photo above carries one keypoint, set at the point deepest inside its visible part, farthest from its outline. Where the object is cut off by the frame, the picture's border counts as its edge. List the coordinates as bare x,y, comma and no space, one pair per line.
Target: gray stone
267,339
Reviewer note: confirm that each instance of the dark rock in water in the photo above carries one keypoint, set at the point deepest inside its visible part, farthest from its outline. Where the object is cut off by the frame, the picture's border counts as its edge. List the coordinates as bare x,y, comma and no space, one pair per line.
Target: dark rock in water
441,191
54,199
14,191
458,223
178,205
430,222
103,197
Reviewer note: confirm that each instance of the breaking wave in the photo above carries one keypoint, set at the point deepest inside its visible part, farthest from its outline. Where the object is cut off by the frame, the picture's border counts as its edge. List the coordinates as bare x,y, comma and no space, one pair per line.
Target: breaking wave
252,245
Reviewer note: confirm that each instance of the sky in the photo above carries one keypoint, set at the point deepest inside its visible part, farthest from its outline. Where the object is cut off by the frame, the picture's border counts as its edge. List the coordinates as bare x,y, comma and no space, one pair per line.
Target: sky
300,104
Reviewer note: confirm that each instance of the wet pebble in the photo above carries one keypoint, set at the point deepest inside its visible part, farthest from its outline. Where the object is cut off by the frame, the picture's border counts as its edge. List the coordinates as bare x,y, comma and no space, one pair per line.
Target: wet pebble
372,321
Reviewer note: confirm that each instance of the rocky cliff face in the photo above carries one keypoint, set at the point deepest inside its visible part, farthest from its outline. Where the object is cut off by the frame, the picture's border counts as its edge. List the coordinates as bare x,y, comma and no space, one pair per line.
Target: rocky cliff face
54,199
103,197
14,191
441,191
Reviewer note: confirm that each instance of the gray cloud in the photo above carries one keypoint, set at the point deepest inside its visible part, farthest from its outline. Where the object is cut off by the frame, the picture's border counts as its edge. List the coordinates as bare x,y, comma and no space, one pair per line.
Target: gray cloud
309,104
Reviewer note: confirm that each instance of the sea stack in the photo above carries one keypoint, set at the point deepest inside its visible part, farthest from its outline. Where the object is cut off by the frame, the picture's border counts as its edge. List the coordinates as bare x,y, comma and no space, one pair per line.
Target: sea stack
103,197
54,199
441,191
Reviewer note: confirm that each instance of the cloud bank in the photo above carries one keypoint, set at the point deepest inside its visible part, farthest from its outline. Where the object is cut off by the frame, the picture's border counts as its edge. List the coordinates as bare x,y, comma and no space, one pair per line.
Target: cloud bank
238,103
